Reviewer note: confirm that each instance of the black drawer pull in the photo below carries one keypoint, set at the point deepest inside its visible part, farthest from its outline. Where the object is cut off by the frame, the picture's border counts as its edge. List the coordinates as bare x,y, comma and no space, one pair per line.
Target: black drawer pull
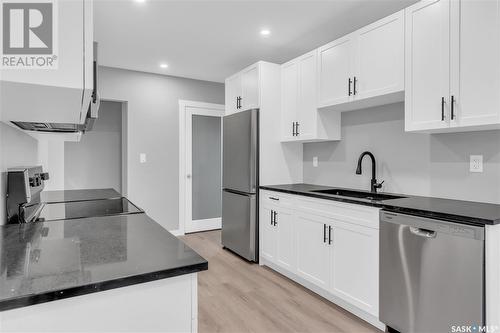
442,108
275,199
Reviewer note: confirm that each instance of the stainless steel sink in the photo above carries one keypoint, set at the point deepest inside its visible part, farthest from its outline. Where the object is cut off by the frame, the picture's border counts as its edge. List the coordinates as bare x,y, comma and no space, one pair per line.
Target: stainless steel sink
359,194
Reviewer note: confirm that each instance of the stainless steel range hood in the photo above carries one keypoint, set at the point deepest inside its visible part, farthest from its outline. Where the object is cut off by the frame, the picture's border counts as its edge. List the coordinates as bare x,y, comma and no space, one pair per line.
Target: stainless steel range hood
90,119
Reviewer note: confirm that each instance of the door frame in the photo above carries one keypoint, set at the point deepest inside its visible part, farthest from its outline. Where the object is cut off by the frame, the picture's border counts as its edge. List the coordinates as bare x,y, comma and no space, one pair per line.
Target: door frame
185,196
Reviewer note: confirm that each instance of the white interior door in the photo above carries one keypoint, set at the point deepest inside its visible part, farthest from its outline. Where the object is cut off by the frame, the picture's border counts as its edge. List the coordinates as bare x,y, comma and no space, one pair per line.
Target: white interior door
201,172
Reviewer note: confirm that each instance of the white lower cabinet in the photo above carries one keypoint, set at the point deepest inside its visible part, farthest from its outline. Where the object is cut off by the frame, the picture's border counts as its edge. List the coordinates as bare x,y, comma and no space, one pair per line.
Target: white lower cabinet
354,274
313,251
285,239
327,246
268,233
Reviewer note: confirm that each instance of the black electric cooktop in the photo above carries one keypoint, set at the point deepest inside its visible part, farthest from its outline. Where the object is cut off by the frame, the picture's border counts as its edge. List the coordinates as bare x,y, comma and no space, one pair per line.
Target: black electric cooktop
52,211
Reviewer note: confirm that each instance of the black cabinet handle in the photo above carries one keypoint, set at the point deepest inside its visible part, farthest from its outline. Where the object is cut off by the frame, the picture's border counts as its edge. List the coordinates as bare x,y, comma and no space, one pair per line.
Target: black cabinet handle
354,86
442,108
241,98
275,216
329,235
237,102
94,92
452,107
297,129
275,199
349,81
324,233
293,128
272,217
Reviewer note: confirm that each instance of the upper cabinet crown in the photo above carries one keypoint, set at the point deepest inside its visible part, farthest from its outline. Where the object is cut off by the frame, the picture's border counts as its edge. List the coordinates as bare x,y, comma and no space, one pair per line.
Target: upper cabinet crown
243,90
452,66
364,68
60,95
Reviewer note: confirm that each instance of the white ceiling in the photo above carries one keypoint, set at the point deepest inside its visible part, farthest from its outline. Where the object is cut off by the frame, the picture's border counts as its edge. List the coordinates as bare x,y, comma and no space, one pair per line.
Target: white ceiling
210,40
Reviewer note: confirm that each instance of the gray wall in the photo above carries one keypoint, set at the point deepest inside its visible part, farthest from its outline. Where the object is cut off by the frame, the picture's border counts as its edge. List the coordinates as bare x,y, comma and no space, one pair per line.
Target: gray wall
206,160
96,161
16,149
410,163
153,129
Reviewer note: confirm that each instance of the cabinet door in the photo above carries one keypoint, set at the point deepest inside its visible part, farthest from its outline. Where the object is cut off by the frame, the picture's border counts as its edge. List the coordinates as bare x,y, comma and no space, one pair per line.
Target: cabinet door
233,91
335,64
268,233
307,103
380,57
285,256
250,88
355,265
313,252
289,98
427,65
475,61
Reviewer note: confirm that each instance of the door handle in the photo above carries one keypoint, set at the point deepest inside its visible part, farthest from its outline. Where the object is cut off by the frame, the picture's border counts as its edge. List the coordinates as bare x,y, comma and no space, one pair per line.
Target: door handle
272,217
423,232
275,216
293,128
297,128
354,86
349,81
442,108
330,235
324,233
452,107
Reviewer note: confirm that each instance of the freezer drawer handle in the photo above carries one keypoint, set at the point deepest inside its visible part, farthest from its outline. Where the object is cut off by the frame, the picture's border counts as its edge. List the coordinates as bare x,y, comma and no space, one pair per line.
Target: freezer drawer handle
423,232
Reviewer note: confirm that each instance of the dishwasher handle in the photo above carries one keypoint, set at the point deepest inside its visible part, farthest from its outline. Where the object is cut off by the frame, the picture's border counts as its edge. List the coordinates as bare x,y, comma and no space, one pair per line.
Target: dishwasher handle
423,232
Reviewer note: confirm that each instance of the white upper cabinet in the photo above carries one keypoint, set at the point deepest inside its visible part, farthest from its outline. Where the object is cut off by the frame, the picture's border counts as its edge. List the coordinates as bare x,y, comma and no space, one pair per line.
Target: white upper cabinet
60,95
300,119
233,93
250,96
364,68
427,65
379,68
289,99
452,66
475,63
243,90
336,66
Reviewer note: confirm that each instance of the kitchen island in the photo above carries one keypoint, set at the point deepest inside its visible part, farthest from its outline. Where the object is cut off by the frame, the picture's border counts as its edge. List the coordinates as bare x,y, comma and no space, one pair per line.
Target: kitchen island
114,273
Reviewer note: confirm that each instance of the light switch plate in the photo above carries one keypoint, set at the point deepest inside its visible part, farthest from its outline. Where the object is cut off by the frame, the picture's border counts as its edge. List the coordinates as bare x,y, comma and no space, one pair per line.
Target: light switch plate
142,158
315,161
476,163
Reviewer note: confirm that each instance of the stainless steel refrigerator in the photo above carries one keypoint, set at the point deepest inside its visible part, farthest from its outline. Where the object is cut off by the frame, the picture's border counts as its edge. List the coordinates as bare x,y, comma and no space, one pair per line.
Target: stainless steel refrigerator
240,174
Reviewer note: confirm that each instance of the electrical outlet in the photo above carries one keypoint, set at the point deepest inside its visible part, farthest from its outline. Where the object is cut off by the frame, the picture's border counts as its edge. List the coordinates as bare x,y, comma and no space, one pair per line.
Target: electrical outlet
476,163
315,161
142,158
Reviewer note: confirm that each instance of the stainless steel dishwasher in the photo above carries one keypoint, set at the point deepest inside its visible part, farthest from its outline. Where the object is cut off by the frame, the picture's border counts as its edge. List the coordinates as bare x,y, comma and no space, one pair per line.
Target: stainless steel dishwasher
431,274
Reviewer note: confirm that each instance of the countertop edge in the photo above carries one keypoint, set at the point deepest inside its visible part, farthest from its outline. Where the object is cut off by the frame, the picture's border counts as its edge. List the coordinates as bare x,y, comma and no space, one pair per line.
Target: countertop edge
416,212
54,295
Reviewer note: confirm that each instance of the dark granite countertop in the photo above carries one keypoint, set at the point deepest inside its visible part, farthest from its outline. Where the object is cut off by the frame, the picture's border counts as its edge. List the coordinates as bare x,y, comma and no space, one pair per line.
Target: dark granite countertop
76,195
42,262
466,212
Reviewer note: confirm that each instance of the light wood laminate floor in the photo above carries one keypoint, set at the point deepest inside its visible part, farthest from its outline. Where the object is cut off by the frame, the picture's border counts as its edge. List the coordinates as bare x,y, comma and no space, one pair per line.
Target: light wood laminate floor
236,296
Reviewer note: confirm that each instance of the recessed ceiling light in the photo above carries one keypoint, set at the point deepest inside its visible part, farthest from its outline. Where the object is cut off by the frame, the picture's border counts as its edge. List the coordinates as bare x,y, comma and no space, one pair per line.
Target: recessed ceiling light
163,65
265,32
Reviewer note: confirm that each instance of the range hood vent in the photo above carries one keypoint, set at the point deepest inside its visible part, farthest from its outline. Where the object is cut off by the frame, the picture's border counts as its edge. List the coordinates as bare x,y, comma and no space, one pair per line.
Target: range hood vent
49,127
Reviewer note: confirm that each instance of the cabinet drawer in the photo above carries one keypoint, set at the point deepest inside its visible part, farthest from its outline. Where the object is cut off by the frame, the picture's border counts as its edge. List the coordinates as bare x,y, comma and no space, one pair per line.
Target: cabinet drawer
352,213
276,199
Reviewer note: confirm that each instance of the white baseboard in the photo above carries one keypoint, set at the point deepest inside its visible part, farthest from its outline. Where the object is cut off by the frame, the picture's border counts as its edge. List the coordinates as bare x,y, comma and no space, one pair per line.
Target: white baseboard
176,232
204,225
